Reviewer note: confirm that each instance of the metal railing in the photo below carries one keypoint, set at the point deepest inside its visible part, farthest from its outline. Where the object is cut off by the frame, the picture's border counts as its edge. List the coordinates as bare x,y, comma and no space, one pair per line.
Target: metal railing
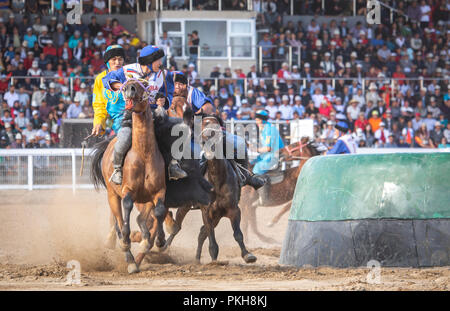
302,82
162,5
32,169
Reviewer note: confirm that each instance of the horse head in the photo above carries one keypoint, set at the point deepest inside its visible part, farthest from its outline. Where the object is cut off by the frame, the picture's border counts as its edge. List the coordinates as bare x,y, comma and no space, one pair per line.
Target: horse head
136,95
211,135
301,150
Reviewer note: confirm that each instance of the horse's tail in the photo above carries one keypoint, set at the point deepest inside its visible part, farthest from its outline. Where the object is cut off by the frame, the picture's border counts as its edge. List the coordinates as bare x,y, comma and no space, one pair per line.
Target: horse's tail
96,165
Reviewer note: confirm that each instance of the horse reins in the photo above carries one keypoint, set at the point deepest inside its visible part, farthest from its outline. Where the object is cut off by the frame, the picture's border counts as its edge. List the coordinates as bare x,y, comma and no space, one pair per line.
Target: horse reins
299,147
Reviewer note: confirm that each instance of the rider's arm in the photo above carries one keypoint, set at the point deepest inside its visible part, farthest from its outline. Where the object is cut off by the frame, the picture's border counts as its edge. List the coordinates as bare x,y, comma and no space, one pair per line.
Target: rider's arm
114,79
338,148
99,103
201,103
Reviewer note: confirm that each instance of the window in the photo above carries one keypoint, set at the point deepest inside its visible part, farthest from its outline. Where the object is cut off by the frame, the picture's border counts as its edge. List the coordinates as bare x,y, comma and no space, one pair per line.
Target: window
212,35
241,38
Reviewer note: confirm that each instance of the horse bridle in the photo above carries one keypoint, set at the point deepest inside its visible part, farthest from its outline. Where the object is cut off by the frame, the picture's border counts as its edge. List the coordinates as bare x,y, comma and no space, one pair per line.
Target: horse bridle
299,147
147,92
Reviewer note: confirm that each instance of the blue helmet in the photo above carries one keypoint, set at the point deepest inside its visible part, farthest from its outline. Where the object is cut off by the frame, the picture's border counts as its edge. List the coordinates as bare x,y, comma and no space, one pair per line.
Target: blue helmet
342,126
262,114
113,51
149,54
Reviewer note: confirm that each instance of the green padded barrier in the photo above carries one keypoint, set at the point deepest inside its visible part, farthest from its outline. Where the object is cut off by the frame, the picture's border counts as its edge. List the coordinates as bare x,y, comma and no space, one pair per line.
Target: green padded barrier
373,186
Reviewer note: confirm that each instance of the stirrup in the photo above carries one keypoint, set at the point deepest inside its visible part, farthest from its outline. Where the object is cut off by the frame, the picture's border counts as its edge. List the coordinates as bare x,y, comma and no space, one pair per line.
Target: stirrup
116,172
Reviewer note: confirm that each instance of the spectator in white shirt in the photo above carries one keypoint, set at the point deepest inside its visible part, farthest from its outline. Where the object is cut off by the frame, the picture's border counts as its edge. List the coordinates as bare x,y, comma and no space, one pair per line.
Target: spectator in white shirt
286,109
11,96
272,108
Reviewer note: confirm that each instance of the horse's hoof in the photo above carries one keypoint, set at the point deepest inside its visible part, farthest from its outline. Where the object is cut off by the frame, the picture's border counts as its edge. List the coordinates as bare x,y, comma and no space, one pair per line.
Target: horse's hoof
144,246
133,268
249,258
124,246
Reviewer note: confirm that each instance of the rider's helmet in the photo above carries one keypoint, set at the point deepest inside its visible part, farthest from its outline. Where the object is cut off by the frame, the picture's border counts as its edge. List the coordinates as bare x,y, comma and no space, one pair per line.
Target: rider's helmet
149,54
179,76
342,126
113,51
262,114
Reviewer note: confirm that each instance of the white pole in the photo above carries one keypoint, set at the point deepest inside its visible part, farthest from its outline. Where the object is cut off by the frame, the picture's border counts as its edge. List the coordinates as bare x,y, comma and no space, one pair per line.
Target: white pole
137,6
110,6
220,5
198,59
299,57
81,8
74,173
146,6
354,7
53,7
323,5
157,5
30,172
245,86
290,58
229,56
292,7
190,5
260,59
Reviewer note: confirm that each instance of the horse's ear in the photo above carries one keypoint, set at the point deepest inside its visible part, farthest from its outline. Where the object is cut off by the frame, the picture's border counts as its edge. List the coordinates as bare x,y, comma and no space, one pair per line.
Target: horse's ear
188,116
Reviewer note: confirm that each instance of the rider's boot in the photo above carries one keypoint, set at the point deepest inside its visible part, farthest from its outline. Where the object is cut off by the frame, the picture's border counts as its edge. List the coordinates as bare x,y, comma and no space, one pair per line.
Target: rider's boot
116,176
121,147
175,171
251,179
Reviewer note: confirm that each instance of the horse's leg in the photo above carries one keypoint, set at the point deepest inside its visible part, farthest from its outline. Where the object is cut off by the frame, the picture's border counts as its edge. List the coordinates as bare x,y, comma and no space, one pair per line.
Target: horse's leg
207,231
116,209
283,211
160,213
254,224
245,216
176,226
141,220
127,207
111,239
235,219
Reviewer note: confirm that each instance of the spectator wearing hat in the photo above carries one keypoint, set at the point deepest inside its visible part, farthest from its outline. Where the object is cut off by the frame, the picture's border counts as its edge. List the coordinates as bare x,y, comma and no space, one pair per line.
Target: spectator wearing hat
29,132
74,109
437,133
382,133
44,38
298,106
285,108
52,97
272,108
245,111
30,37
18,142
39,95
4,142
353,109
375,120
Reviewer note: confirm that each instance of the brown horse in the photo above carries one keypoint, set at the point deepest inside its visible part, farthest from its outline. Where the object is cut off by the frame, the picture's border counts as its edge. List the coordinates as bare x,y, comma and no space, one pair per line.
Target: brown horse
143,176
280,193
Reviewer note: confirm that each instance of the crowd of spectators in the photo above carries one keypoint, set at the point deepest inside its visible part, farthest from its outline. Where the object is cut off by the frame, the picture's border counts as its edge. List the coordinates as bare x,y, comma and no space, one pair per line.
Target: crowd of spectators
361,59
36,62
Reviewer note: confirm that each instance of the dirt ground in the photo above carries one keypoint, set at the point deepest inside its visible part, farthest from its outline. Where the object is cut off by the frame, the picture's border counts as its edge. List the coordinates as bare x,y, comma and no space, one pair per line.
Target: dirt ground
43,230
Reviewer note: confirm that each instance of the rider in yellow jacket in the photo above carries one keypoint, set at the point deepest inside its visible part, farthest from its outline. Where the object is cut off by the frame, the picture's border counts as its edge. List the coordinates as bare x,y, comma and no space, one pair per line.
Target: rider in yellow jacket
104,100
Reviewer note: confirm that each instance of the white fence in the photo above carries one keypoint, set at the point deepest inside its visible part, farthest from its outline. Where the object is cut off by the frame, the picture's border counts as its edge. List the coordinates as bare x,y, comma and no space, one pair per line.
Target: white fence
60,168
